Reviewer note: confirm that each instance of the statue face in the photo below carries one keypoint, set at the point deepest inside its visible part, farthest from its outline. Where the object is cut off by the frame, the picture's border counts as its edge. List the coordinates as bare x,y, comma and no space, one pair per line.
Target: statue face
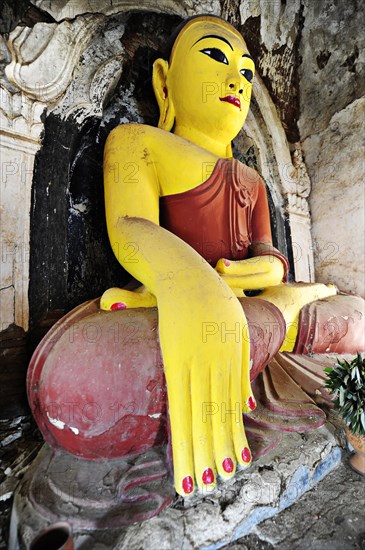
210,79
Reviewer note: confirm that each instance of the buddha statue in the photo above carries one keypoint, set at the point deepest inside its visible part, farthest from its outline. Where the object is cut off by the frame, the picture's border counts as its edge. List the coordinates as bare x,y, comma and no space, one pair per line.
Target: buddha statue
199,224
192,226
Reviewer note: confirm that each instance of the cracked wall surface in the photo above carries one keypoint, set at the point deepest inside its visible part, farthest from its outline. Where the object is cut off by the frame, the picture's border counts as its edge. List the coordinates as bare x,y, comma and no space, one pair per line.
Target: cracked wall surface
332,129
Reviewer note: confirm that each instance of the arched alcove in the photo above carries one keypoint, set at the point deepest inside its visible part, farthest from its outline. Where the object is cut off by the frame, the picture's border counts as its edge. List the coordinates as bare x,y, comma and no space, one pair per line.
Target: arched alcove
102,80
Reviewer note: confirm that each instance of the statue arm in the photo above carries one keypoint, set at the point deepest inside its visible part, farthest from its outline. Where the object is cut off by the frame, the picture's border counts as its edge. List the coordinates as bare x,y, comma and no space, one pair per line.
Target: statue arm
203,371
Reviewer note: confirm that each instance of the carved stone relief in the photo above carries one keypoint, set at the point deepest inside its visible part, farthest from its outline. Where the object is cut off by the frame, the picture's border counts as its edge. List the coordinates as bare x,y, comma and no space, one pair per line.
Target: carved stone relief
20,129
286,176
66,9
44,57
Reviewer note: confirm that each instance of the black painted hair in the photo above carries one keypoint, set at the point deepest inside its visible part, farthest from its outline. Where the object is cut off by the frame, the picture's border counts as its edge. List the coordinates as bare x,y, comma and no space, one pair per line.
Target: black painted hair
180,26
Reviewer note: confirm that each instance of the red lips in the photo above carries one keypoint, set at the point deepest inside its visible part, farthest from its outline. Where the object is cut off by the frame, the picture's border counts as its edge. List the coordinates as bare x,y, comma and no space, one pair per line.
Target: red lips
231,99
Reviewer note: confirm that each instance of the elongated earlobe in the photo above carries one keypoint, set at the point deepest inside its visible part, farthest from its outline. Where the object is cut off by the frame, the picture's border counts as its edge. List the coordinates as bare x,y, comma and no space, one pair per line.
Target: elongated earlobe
159,78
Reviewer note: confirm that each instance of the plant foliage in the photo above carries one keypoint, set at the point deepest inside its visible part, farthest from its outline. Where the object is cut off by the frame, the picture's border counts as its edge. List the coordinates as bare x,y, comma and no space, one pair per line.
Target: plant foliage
346,381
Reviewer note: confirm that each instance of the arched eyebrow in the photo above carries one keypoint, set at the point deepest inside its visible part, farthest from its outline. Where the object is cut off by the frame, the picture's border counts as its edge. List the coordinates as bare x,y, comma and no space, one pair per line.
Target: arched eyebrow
214,36
247,55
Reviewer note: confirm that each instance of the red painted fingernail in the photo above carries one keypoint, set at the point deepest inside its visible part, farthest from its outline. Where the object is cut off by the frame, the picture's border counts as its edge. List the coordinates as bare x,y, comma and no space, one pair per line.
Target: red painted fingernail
187,485
251,403
227,263
246,455
118,305
208,476
228,465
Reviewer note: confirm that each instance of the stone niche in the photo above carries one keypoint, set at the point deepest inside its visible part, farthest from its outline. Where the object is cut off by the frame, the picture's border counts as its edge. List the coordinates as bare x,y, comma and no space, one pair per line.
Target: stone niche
72,71
88,73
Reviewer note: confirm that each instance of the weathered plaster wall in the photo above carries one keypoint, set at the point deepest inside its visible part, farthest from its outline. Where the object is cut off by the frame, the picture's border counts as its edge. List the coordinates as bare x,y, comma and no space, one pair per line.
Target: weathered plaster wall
20,127
331,124
335,160
272,31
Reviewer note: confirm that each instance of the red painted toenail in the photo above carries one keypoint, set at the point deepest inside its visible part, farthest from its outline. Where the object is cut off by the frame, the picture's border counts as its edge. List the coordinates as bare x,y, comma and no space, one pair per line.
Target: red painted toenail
208,476
246,455
251,403
228,465
187,485
118,305
227,263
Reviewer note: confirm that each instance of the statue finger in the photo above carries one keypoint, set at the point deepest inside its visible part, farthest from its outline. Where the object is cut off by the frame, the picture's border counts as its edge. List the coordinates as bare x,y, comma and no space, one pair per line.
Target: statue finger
248,399
241,447
201,407
220,417
178,390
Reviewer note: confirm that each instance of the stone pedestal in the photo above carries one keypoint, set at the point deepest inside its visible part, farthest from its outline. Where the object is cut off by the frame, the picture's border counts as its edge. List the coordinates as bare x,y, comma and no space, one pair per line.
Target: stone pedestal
205,522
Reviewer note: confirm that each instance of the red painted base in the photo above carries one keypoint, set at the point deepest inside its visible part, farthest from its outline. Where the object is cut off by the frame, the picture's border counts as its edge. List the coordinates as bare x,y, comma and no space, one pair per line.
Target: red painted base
96,384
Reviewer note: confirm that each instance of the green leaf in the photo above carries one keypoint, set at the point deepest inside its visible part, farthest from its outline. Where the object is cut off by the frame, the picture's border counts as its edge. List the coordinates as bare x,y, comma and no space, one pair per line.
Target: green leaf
342,396
358,376
346,382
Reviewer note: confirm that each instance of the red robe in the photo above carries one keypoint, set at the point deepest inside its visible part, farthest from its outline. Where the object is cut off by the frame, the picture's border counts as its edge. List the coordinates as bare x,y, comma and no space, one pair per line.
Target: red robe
227,216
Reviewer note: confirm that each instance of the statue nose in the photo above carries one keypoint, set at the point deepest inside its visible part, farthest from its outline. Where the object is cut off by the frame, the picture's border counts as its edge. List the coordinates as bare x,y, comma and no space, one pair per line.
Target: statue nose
235,86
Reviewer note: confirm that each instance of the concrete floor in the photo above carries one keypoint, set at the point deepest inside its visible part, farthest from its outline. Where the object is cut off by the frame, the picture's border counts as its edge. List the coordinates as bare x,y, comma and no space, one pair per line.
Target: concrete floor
329,517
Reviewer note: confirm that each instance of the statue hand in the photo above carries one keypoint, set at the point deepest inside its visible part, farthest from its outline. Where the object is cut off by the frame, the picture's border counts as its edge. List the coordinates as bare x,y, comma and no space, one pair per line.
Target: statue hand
251,274
205,347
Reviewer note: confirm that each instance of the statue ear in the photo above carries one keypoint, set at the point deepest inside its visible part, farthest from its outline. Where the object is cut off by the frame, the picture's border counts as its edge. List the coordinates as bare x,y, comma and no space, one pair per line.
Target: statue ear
159,83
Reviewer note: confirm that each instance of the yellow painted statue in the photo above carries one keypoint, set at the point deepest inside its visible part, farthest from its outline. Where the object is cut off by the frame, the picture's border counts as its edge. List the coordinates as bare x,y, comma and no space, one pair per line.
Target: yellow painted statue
192,266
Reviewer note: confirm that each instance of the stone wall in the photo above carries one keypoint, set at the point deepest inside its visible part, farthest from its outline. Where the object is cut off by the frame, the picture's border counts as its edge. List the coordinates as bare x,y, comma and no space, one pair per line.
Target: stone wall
331,123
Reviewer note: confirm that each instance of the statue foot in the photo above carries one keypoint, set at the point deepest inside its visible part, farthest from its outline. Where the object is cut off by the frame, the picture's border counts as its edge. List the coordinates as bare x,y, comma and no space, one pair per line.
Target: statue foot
119,298
290,298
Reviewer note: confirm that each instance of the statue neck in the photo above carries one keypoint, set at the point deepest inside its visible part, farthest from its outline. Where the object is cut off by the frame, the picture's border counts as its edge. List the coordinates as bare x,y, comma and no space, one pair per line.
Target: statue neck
222,150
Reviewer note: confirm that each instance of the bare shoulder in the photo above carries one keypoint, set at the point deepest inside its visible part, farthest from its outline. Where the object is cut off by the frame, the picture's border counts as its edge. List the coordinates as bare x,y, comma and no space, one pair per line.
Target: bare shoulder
132,132
176,163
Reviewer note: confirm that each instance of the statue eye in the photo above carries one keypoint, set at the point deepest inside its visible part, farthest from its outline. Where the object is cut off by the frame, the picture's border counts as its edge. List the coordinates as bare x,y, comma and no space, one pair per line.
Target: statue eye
247,73
215,54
